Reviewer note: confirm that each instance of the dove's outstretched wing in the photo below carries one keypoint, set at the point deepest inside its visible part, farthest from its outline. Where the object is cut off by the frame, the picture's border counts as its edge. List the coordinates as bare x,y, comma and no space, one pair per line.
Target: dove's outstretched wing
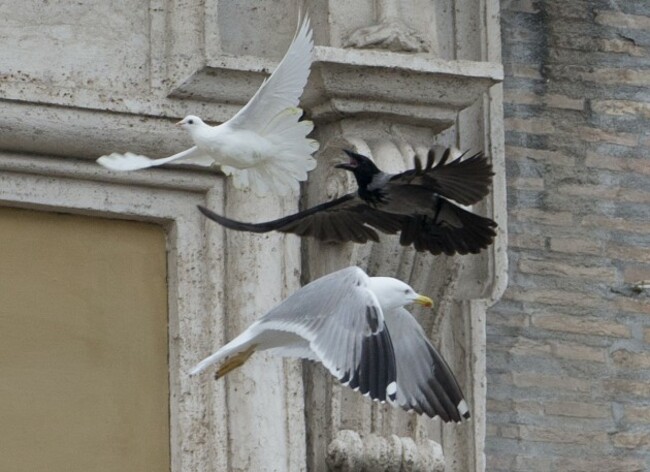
273,113
282,89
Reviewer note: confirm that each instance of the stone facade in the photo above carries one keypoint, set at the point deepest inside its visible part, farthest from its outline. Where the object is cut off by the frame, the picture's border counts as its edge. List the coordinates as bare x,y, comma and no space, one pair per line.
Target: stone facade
568,345
390,77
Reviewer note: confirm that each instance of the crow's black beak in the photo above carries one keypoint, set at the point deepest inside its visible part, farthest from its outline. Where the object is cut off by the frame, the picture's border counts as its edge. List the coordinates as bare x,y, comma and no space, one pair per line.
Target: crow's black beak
346,166
354,161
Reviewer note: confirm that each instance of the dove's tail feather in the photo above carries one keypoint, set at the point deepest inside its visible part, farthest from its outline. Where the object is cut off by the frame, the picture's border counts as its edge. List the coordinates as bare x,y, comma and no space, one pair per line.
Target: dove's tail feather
129,161
291,159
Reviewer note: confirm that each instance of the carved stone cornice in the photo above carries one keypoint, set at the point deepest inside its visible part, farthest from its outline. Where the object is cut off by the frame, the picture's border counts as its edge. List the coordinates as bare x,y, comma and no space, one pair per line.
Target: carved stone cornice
346,83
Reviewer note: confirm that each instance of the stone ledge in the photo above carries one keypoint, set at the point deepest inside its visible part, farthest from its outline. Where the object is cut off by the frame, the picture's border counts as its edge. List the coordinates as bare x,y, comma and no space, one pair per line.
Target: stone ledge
349,82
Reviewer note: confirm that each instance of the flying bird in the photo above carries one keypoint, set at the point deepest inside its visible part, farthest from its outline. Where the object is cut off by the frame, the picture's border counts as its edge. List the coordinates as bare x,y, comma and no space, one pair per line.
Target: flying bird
264,146
356,326
416,203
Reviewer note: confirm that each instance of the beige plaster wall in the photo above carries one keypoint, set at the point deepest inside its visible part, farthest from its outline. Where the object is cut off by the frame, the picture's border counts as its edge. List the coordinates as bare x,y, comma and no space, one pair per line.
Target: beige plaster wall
84,352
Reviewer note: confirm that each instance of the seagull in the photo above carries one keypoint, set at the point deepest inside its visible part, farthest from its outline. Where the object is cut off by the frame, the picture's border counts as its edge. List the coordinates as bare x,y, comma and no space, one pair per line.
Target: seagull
358,328
415,202
264,146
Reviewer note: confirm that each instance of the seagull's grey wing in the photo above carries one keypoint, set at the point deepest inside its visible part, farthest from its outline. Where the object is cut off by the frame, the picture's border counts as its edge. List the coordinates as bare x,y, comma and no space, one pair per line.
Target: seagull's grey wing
130,161
425,383
344,325
466,181
283,88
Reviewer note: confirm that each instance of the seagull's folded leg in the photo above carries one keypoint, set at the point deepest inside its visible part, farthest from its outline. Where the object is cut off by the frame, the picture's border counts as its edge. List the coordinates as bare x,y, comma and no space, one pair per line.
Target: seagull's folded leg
235,361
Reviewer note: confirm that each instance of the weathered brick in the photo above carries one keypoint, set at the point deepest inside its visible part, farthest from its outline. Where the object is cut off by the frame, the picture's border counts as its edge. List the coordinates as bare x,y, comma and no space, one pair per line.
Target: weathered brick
613,223
578,409
523,71
590,134
602,192
598,464
564,102
623,46
577,352
624,164
637,414
576,9
554,297
602,76
518,320
530,125
526,241
491,430
630,253
622,20
621,107
526,183
555,435
575,324
576,246
631,360
635,273
591,191
636,440
521,463
551,382
498,406
619,387
519,406
527,347
561,218
640,306
560,269
564,350
523,97
577,110
554,157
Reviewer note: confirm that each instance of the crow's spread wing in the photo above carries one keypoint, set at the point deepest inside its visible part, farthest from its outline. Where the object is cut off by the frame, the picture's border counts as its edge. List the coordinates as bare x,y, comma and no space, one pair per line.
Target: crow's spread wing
341,220
466,181
449,229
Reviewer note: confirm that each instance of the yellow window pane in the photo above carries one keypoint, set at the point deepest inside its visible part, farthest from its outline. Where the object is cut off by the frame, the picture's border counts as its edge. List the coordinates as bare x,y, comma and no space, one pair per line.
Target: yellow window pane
83,344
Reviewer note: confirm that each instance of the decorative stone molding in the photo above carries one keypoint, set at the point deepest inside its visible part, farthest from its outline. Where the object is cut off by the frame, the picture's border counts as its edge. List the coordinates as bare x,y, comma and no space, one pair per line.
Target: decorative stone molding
390,32
351,452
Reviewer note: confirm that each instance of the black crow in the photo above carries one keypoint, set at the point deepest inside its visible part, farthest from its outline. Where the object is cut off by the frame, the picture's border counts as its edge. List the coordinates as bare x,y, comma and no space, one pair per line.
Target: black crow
415,203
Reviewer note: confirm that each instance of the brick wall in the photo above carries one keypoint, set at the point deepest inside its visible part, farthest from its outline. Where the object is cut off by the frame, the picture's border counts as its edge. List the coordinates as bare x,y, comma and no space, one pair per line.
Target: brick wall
569,343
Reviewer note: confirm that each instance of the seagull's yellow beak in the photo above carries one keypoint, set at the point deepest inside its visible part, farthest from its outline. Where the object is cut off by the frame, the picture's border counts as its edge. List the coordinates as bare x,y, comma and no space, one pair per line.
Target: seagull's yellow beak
424,301
179,123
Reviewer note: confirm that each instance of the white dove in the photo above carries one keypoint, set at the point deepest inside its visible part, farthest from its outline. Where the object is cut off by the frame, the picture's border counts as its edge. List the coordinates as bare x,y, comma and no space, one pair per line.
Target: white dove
264,146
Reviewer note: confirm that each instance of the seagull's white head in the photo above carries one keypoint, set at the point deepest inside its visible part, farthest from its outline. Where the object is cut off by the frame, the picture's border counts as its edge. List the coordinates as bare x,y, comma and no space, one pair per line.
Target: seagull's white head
392,293
190,122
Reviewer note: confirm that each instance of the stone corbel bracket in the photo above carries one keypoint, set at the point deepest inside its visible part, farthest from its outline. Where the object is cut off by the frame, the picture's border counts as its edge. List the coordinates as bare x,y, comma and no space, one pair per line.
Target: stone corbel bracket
351,452
346,83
